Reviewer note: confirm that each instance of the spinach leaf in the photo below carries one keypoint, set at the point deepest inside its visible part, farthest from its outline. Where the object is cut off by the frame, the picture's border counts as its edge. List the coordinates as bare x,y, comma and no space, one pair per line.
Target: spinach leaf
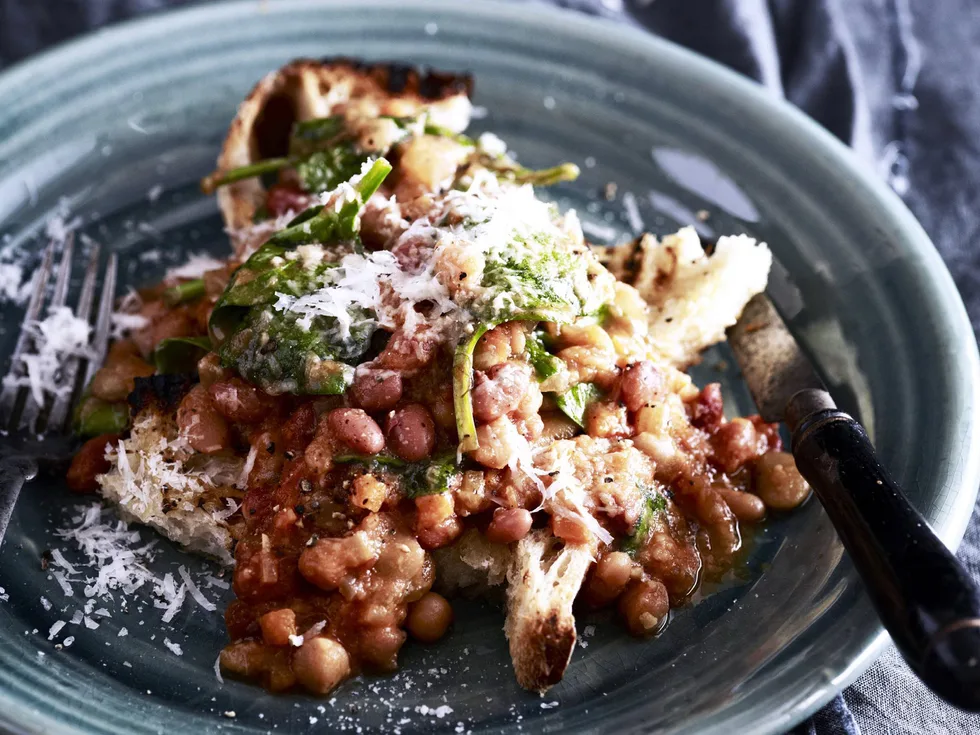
93,417
216,179
426,477
325,154
504,167
576,400
443,132
187,291
177,355
534,274
462,387
281,350
544,363
653,503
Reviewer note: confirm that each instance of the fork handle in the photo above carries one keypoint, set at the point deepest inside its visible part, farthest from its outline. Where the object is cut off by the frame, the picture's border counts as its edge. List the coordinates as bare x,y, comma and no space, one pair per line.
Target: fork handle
14,472
926,599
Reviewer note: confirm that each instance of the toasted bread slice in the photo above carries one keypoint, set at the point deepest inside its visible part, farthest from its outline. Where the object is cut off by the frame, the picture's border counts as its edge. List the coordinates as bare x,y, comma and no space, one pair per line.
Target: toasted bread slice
156,479
693,296
544,578
473,566
307,89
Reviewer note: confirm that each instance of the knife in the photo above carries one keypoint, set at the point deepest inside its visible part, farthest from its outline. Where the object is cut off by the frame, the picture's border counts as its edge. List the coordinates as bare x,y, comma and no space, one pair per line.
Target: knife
927,601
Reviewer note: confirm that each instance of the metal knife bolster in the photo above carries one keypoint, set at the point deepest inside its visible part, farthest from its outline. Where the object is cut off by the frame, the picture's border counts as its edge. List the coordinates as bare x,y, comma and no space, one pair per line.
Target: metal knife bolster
779,376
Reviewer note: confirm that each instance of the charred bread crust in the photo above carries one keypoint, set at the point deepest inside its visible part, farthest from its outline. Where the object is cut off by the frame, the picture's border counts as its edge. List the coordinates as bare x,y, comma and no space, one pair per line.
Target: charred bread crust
398,79
305,89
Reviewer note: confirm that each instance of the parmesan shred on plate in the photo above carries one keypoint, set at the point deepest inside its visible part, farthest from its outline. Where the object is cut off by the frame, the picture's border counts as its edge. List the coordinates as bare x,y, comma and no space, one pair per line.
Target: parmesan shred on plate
118,573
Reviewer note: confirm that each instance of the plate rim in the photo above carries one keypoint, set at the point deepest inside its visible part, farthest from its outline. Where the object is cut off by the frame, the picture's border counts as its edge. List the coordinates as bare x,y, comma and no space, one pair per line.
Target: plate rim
721,81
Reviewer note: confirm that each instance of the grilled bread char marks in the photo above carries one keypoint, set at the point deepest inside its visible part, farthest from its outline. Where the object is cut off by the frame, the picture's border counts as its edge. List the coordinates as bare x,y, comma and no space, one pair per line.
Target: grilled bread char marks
307,89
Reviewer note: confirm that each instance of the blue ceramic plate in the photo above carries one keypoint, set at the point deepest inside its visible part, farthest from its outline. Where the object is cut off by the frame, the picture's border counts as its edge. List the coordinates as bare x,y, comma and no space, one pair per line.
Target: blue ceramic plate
117,128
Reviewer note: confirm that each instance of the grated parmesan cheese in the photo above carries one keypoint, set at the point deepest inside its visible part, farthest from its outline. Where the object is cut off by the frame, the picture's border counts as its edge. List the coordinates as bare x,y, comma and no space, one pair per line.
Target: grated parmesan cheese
149,469
126,319
196,266
175,604
58,337
13,287
195,591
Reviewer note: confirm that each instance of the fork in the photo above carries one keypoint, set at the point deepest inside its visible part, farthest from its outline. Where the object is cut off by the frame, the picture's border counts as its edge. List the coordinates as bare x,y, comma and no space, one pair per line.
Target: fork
24,422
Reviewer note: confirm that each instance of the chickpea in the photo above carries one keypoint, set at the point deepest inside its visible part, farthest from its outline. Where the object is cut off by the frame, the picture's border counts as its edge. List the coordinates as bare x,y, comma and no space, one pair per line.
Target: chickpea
429,618
117,378
403,559
411,432
499,390
376,390
498,441
607,421
210,371
508,525
175,323
746,506
609,576
614,570
200,424
642,385
644,607
330,561
493,348
379,647
471,497
356,429
778,482
530,404
320,664
442,409
586,335
244,658
460,268
277,626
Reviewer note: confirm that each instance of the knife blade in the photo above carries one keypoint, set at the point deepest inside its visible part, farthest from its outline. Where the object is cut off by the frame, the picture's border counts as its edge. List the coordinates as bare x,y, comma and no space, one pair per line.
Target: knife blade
773,365
925,598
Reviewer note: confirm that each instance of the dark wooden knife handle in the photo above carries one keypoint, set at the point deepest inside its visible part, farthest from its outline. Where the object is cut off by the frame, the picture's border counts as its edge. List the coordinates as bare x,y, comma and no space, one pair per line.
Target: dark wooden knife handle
927,601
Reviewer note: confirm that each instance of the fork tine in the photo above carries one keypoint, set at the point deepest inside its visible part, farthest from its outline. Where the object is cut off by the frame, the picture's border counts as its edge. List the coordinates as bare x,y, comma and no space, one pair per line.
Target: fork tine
64,274
103,320
32,409
62,402
8,396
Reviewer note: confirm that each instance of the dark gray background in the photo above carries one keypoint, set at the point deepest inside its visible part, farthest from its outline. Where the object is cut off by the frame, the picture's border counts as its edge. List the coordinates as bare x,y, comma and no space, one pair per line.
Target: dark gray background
895,79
